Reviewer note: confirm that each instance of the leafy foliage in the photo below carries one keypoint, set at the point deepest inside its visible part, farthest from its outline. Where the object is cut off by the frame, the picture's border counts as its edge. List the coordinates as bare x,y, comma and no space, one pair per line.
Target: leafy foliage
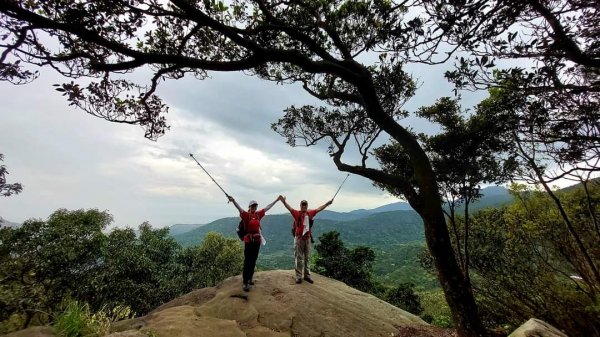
76,319
559,86
435,308
69,256
399,263
6,189
403,296
215,259
138,270
43,262
353,267
466,154
527,264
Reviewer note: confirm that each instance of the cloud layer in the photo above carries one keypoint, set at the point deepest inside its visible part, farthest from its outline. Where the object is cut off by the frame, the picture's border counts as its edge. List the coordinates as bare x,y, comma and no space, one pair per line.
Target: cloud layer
68,159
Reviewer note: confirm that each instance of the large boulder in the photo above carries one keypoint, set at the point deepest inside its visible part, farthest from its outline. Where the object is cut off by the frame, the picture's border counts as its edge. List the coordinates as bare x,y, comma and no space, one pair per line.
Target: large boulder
276,306
537,328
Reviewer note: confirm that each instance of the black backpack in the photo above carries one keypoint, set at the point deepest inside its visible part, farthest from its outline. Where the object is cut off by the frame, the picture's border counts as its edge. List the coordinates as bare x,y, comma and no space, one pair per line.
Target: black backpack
241,230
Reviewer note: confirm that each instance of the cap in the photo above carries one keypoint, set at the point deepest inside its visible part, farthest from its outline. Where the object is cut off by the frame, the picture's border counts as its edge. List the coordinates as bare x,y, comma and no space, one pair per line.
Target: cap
252,202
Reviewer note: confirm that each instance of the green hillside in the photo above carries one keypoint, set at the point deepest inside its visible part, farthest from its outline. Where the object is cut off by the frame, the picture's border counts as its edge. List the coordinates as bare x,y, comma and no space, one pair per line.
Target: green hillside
399,263
394,236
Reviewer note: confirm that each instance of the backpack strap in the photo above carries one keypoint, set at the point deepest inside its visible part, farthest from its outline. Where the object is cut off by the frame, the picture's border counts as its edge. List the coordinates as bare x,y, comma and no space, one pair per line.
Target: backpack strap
298,225
295,226
245,222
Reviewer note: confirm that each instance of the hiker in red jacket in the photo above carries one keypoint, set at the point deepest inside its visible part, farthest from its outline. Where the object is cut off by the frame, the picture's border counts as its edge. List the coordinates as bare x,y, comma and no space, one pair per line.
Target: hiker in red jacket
253,237
302,233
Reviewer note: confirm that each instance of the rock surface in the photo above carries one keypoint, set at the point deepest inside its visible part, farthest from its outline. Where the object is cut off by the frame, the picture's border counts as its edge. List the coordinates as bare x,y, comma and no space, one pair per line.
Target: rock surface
276,307
537,328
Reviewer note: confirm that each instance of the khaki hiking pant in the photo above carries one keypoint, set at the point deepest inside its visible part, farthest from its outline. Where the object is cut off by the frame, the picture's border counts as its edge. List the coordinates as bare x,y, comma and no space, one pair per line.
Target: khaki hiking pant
302,257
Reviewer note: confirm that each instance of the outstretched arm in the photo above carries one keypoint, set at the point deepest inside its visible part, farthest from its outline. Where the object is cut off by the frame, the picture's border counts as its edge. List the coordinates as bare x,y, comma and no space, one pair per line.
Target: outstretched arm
268,207
236,204
282,198
322,207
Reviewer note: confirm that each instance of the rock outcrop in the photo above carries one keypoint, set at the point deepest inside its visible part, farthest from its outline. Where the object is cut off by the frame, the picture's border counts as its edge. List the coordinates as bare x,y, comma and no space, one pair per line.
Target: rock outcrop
276,307
537,328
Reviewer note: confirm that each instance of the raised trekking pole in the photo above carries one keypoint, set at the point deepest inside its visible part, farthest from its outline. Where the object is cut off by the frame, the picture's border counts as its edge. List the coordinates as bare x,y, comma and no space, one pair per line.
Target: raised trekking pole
202,167
340,186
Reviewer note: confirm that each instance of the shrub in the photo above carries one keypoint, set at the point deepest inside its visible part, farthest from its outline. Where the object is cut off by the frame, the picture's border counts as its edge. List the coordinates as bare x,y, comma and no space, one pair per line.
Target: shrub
403,296
76,320
442,321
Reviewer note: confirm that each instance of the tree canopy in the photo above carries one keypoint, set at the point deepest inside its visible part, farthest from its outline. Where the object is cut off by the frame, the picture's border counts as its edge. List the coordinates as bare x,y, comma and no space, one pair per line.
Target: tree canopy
526,262
68,256
351,266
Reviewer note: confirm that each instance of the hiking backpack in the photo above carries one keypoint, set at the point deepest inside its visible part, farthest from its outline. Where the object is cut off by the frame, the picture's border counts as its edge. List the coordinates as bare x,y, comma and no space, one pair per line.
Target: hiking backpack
241,230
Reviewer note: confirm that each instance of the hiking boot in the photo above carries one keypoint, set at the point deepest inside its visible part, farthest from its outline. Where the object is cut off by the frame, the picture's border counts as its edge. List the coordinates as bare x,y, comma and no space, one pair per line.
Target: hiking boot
251,282
246,287
308,279
298,280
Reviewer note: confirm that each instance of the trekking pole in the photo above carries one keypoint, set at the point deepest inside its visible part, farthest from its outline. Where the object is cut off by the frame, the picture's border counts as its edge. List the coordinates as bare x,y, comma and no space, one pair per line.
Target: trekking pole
340,186
202,167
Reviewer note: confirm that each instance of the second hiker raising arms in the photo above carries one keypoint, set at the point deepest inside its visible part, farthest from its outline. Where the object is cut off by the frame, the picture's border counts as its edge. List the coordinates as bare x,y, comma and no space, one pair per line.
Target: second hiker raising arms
302,236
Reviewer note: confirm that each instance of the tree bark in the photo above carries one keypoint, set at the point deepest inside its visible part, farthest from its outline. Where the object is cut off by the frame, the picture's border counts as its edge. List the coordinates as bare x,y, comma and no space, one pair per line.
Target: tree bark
457,291
428,204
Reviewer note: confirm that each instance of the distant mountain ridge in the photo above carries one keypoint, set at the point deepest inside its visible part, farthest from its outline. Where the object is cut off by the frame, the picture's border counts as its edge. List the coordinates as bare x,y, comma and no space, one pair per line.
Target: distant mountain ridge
6,223
493,196
361,213
182,228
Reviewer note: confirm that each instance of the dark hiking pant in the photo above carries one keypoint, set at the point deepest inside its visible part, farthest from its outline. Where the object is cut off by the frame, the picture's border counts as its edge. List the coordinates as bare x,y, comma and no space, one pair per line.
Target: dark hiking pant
250,255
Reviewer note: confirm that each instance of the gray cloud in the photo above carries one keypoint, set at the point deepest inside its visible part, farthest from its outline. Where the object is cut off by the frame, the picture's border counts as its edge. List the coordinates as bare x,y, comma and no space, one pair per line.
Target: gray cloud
66,158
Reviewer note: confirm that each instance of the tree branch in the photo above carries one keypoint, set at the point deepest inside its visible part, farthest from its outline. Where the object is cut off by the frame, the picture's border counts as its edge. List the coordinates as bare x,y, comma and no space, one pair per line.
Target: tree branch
333,94
563,41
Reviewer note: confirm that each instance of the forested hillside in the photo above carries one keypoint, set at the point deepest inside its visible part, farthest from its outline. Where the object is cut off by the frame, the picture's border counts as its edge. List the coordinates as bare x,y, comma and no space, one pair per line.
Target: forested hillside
394,236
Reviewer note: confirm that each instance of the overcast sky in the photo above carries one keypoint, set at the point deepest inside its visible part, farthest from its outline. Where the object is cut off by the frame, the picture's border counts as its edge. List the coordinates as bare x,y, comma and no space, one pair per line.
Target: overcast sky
66,158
